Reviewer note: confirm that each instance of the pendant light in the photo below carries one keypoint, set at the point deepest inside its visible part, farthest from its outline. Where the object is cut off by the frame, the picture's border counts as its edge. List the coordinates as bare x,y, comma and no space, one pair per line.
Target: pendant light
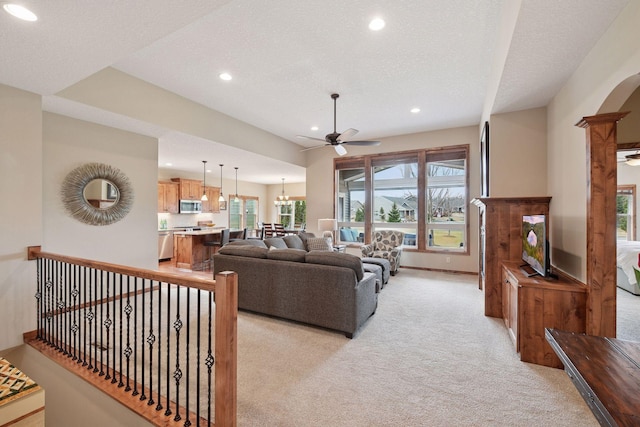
204,197
221,198
282,199
236,198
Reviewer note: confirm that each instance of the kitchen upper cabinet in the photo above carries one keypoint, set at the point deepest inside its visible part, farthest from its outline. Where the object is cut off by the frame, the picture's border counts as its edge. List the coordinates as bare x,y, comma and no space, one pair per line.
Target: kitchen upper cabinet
211,205
190,189
168,197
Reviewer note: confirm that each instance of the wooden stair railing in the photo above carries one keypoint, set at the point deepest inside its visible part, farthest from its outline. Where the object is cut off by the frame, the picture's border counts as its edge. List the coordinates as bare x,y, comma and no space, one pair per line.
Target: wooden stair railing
142,336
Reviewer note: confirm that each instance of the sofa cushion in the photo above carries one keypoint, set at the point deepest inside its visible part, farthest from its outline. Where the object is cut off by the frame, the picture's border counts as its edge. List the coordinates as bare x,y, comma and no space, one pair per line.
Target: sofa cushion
244,250
338,260
276,242
294,242
303,235
248,242
289,254
318,244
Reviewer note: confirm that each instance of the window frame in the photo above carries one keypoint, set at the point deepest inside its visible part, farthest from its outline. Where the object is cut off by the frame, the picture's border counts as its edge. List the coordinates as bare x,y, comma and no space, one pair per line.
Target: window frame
243,201
367,163
628,190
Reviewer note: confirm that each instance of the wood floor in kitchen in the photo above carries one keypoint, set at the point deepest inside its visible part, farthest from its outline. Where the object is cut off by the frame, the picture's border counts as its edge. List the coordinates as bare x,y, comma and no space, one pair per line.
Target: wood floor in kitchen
169,267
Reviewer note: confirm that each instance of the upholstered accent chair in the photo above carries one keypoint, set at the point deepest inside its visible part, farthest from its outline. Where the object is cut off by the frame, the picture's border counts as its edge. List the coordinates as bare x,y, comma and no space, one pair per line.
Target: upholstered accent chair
387,244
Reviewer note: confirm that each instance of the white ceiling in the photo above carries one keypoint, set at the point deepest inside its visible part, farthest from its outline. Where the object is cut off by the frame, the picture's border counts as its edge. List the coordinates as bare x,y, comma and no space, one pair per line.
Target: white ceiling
453,59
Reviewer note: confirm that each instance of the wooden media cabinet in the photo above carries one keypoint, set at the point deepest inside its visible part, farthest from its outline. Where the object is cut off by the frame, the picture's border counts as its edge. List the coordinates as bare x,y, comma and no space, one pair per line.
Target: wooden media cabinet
531,304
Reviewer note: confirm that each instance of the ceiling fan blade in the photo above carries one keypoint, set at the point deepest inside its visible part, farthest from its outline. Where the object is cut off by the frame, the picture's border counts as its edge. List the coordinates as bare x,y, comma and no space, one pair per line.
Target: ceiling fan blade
347,134
367,143
340,150
310,137
313,148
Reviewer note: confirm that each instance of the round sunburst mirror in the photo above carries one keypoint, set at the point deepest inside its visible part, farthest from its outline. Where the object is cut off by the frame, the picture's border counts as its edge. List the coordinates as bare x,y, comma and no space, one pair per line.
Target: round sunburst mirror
97,194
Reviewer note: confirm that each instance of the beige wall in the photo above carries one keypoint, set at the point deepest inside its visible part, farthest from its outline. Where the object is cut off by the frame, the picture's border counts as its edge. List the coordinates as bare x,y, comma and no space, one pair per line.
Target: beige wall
518,154
21,210
629,127
615,57
121,93
320,189
69,143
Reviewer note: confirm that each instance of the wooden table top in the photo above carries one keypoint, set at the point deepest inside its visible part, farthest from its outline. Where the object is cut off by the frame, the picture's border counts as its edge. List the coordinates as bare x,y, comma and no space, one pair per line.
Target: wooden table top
609,367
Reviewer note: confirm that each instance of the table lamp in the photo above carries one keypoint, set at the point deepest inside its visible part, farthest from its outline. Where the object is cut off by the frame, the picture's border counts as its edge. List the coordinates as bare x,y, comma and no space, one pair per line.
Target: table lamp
328,226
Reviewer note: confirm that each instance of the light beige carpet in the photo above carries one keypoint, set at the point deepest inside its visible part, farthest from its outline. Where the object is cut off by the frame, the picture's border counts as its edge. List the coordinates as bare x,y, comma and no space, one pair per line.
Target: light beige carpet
428,357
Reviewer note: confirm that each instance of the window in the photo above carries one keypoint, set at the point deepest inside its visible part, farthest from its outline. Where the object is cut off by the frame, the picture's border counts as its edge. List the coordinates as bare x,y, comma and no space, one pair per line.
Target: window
395,197
421,193
351,205
446,199
243,213
294,214
625,212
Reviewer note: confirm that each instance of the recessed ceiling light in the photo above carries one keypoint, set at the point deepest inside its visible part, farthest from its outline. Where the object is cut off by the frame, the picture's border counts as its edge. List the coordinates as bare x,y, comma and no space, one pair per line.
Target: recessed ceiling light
225,76
314,128
415,110
376,24
168,164
20,12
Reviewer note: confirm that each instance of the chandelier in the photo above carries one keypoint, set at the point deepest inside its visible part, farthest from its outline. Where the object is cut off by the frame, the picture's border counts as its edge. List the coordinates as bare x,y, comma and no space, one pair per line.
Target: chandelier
282,199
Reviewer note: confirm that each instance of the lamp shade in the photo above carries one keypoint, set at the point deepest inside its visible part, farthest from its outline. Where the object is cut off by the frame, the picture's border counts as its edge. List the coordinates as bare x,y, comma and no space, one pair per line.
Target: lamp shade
328,224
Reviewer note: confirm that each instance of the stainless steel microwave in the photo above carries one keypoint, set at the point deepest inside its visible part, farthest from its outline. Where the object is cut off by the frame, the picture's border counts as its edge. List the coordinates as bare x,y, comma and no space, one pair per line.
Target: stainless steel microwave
190,206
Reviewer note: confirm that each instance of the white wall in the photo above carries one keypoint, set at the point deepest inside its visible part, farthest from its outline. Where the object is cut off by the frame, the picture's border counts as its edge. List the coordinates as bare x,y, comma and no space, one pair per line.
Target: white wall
615,57
69,143
320,189
20,211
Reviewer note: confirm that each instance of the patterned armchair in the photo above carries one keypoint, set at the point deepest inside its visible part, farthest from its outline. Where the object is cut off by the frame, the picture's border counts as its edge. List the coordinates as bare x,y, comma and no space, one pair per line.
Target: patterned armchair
386,244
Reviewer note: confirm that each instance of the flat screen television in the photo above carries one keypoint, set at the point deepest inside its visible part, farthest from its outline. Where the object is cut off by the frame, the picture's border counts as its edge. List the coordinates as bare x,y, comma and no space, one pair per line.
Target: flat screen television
534,243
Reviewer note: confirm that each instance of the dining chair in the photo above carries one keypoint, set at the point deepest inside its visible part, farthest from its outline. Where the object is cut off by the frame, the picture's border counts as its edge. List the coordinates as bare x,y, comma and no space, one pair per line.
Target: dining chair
215,245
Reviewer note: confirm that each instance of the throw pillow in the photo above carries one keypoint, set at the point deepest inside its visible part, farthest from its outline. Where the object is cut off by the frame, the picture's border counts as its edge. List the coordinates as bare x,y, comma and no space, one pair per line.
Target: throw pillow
338,260
295,255
244,250
318,244
248,242
294,242
276,242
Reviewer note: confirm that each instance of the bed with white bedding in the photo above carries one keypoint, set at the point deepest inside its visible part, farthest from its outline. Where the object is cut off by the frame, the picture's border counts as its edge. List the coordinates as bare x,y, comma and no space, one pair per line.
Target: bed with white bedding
627,258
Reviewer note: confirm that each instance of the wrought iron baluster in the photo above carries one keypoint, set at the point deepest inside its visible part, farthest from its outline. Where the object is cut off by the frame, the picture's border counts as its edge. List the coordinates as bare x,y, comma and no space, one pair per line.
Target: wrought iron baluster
150,340
100,300
135,336
121,384
38,297
159,406
187,361
127,351
84,313
107,322
177,375
93,321
209,360
143,396
198,342
76,310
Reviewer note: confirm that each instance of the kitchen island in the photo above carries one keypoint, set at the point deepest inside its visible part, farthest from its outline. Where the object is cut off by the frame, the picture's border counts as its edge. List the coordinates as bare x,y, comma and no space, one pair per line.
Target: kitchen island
189,249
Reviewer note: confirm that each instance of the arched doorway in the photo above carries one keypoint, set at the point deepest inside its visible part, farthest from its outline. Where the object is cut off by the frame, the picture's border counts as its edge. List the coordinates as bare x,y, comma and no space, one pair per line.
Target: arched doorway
602,147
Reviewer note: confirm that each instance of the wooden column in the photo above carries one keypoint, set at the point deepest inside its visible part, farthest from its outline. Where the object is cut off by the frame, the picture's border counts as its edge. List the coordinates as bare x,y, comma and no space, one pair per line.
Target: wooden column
601,226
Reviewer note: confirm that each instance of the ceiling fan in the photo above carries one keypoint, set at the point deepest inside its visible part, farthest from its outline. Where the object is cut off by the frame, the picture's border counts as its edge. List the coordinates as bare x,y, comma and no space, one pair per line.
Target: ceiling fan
336,139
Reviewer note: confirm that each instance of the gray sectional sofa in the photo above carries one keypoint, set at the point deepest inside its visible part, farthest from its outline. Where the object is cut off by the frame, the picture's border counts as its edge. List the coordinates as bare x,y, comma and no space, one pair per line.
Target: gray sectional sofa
321,288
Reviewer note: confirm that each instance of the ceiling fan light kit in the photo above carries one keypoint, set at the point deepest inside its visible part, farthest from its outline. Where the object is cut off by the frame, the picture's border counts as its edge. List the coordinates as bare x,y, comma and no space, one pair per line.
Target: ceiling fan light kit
633,159
337,140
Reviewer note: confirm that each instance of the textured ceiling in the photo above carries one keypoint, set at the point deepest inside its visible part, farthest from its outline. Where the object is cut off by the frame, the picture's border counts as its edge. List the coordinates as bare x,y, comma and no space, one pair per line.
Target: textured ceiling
288,56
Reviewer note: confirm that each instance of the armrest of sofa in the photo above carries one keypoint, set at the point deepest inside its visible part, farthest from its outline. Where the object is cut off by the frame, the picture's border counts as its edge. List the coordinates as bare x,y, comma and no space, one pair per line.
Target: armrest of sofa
367,250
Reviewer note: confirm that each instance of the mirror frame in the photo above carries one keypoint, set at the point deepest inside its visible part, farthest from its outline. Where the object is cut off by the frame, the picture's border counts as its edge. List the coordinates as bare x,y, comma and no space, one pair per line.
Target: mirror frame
78,207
